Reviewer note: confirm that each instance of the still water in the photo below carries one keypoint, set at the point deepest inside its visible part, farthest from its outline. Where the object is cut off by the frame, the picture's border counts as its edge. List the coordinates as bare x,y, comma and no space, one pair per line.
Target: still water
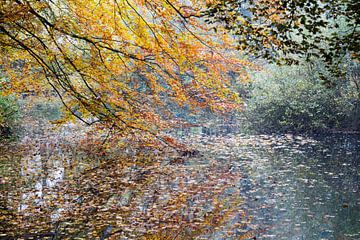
291,187
297,187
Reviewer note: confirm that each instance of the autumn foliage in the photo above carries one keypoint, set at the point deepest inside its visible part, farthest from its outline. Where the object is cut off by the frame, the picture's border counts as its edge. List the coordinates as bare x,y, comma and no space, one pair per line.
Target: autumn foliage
118,62
118,65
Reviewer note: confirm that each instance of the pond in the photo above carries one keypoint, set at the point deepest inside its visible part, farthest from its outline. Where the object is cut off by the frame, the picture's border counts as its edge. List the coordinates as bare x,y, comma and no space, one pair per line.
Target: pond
297,187
290,187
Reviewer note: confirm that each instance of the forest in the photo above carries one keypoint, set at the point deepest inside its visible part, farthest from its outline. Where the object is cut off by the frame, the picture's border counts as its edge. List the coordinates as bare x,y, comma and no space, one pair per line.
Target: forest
180,119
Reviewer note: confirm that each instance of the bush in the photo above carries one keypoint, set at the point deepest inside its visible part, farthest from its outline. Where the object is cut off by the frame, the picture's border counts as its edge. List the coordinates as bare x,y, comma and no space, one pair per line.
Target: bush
9,114
294,99
48,111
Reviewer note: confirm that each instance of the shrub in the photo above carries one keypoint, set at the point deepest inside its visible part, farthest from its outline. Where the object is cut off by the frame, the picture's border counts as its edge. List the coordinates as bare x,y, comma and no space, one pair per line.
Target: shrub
48,111
9,114
294,99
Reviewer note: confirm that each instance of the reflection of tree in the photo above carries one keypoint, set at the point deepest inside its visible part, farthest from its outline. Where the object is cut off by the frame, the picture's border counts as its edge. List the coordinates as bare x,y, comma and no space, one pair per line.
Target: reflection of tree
130,196
10,187
315,184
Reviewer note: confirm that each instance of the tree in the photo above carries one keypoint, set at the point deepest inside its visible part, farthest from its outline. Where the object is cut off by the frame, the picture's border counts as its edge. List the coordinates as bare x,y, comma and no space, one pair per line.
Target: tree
9,114
294,99
286,31
117,61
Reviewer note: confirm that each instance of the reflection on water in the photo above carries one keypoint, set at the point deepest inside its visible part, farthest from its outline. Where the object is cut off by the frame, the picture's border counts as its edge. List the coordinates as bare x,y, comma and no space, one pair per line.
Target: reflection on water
292,187
30,171
297,187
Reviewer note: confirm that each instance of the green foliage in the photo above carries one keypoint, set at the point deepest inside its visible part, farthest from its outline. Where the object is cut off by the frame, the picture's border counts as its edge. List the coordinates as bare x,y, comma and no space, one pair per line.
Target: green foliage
9,114
281,31
48,111
294,99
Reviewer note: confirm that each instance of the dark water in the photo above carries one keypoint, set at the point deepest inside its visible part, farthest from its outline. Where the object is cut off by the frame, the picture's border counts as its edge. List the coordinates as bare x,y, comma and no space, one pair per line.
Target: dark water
292,187
297,187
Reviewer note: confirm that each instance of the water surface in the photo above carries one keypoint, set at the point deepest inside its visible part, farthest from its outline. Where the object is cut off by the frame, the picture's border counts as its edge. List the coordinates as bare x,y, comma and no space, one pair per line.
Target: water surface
297,187
291,187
